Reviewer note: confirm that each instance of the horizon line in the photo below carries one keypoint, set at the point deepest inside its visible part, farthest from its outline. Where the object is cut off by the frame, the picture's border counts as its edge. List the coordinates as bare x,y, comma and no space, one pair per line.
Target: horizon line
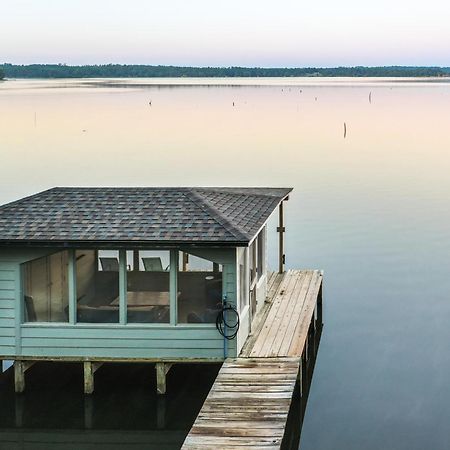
61,64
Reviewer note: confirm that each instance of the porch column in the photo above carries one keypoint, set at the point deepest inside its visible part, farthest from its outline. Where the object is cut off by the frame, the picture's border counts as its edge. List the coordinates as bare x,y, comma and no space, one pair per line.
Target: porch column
281,230
173,290
72,283
123,287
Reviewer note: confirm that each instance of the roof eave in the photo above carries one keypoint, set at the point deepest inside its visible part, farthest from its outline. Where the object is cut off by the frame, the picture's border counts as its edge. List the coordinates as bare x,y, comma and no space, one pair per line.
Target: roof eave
117,244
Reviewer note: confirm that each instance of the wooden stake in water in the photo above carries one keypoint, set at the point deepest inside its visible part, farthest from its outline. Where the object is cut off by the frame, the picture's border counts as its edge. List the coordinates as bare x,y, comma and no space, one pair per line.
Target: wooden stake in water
370,97
345,130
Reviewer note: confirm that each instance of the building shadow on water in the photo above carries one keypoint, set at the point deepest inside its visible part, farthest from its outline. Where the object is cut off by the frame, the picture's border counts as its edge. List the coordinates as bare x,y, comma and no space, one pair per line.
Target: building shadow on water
124,412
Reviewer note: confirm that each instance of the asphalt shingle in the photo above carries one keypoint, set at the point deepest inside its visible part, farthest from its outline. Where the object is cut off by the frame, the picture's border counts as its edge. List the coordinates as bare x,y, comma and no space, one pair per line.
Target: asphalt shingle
146,215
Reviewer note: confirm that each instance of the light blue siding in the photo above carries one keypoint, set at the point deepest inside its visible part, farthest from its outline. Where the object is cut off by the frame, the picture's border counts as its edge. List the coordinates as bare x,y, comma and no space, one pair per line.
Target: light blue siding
229,281
6,274
66,340
121,341
122,354
7,311
7,305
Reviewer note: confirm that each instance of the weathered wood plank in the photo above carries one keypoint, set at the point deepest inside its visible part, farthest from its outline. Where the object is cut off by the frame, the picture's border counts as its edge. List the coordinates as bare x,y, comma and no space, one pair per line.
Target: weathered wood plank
285,316
296,315
287,283
248,405
301,330
289,307
276,315
273,287
260,319
201,441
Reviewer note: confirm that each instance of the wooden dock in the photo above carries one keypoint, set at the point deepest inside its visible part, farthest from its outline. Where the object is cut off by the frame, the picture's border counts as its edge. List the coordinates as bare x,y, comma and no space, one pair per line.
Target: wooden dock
249,402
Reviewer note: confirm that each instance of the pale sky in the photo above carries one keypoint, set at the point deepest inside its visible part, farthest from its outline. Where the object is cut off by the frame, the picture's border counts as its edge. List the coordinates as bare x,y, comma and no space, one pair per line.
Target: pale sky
283,33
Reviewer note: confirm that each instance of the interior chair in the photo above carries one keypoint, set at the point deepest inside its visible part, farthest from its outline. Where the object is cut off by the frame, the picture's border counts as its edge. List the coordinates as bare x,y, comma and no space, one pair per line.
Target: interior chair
29,308
153,264
109,264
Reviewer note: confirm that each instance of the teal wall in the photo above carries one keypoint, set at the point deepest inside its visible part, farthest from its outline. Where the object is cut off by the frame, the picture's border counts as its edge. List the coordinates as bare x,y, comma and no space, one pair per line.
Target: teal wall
7,304
10,297
64,340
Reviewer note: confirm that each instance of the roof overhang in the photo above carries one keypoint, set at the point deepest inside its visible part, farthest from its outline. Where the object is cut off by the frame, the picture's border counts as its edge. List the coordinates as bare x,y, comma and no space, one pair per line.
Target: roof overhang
115,245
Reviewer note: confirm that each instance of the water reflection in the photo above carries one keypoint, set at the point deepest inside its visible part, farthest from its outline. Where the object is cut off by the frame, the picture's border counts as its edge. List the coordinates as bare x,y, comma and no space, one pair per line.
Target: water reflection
124,411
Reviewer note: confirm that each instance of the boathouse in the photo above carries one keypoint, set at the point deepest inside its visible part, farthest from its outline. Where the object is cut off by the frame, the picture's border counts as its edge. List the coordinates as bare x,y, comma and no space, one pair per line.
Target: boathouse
163,275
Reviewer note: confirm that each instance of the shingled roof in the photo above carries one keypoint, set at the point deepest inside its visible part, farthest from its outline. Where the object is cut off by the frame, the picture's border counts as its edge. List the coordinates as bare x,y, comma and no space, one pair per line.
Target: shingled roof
200,216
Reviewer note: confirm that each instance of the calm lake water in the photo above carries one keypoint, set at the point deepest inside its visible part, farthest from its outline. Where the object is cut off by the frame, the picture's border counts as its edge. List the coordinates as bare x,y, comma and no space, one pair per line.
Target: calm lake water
371,209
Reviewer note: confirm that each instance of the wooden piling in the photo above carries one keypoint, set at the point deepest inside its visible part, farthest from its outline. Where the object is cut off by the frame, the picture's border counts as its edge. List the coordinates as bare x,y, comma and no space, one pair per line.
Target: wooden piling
89,369
20,367
162,369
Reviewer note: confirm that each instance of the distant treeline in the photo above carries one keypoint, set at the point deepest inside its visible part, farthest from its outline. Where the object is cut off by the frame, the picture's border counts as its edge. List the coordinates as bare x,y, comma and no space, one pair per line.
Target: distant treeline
129,71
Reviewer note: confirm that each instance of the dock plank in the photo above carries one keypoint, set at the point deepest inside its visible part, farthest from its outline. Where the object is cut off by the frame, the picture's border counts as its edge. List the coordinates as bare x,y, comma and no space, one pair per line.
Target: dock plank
301,329
248,404
267,331
291,334
250,414
286,318
282,332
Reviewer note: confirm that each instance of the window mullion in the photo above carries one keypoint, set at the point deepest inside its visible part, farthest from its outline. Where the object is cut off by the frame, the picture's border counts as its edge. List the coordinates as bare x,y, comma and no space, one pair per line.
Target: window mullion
173,291
122,287
72,282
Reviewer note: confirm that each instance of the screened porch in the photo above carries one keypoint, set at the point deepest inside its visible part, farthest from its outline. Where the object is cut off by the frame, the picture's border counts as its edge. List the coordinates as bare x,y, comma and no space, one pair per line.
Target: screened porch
122,287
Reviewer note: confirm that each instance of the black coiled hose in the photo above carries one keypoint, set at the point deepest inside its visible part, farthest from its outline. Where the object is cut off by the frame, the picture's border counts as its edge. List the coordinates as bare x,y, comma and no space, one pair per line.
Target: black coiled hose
228,330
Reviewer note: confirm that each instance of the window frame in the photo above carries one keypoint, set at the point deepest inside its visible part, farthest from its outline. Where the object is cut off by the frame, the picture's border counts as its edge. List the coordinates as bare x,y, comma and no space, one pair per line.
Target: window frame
72,293
20,286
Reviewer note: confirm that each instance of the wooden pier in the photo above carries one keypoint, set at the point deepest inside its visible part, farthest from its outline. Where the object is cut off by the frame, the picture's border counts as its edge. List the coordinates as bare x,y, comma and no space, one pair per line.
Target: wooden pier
248,405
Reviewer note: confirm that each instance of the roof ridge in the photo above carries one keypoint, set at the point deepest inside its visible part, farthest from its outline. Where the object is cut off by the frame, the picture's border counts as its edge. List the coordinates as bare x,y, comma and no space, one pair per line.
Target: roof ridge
234,190
214,214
